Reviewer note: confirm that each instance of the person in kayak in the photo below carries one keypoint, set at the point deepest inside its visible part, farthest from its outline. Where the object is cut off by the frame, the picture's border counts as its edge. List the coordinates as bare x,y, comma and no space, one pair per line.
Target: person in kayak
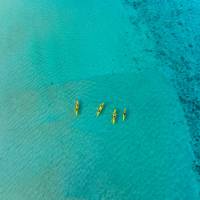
100,108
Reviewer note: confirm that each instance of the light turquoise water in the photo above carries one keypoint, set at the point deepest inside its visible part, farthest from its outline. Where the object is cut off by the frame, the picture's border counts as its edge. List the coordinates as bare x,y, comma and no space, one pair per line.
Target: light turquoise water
57,51
62,40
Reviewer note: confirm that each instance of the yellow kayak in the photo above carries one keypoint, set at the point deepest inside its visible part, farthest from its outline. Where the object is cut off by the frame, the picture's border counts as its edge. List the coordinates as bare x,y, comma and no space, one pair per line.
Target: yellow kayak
100,108
76,107
124,114
114,116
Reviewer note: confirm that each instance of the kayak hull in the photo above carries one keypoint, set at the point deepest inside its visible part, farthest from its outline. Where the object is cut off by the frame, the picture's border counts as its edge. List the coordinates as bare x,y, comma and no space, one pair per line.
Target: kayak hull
101,107
124,115
114,116
76,109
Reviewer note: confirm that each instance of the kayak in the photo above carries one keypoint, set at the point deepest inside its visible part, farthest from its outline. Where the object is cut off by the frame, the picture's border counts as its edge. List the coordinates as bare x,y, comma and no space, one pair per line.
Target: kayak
114,116
124,114
76,107
100,108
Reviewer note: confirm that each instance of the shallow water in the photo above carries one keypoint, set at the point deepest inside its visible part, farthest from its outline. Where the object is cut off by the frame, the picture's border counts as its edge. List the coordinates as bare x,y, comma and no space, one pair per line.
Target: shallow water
145,157
81,40
57,51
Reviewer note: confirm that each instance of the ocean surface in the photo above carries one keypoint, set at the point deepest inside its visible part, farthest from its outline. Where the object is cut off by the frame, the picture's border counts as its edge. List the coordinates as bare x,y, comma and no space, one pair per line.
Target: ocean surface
142,55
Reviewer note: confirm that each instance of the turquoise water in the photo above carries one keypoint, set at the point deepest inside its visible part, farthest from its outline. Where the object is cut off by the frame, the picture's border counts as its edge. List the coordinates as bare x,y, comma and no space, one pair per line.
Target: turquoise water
57,51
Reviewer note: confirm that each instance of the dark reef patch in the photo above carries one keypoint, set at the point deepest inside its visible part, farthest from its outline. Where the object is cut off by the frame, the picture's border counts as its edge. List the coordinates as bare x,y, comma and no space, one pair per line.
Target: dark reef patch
175,26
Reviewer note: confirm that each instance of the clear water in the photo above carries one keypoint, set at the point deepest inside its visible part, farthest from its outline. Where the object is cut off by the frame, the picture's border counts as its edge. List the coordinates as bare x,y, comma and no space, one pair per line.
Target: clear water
57,51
